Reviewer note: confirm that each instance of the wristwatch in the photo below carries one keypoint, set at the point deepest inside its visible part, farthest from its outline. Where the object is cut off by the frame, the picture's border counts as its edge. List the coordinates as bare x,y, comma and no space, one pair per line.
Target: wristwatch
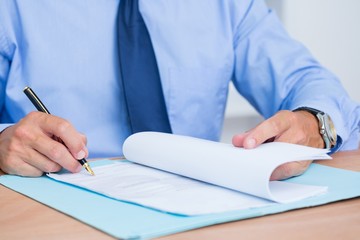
326,126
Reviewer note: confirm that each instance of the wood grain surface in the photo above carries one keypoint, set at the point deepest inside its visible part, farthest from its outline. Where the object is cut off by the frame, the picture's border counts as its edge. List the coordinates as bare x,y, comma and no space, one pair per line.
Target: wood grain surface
24,218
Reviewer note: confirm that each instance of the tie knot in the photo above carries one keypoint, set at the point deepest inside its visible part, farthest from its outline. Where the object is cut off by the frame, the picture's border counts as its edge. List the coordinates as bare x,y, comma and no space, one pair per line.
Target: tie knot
129,9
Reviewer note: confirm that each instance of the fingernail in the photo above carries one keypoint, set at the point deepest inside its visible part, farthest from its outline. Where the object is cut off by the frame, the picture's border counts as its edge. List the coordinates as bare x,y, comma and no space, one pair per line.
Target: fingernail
250,143
80,155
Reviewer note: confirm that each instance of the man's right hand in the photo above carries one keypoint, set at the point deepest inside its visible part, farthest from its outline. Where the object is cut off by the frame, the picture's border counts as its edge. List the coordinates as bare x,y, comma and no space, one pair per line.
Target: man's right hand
30,148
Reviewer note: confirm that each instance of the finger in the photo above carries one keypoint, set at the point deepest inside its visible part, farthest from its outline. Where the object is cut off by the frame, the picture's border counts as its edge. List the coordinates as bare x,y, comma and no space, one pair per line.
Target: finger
238,139
41,162
268,129
290,169
17,166
64,130
56,152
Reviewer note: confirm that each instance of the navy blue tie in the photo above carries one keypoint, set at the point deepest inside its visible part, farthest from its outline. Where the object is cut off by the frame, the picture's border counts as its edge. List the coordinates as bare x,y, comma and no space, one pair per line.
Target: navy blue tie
139,72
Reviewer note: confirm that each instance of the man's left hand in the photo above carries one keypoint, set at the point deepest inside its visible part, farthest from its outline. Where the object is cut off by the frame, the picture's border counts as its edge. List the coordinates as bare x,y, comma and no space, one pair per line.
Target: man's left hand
298,127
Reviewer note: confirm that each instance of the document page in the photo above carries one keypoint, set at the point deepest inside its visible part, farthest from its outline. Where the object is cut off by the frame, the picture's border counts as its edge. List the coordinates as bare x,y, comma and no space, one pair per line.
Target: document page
160,190
244,170
191,176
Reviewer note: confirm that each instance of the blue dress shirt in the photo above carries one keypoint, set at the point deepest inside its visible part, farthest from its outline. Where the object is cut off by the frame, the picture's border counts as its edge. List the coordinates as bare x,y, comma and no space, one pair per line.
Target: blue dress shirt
66,50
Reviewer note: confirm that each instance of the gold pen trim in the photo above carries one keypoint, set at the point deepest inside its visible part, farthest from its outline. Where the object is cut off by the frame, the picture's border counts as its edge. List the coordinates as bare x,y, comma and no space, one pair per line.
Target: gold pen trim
88,168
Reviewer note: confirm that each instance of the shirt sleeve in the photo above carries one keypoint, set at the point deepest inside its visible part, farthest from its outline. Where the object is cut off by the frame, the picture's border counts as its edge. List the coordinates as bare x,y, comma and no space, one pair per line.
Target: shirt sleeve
274,72
5,61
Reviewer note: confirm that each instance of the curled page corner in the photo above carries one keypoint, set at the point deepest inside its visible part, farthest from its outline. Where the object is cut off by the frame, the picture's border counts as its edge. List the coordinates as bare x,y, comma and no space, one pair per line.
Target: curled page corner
245,170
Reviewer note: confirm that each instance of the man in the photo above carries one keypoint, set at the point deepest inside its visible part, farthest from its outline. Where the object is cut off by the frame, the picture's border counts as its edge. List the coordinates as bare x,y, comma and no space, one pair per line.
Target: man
67,51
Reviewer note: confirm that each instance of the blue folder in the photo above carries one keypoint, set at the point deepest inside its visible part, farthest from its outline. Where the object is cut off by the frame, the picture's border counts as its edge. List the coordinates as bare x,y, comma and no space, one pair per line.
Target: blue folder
130,221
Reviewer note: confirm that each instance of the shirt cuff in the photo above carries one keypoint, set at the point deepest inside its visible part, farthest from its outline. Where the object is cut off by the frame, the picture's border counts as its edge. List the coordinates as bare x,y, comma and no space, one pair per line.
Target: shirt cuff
3,126
337,146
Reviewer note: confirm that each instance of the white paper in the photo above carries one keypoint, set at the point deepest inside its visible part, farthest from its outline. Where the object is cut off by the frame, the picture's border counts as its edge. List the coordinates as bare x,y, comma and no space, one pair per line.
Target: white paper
236,175
160,190
245,170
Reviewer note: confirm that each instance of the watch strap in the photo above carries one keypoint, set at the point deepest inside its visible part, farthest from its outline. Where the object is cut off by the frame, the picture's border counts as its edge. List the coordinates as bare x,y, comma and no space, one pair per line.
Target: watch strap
313,111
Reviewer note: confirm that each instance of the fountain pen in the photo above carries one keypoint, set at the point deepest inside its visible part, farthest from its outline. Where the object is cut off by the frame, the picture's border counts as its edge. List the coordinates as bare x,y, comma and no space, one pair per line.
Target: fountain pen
41,107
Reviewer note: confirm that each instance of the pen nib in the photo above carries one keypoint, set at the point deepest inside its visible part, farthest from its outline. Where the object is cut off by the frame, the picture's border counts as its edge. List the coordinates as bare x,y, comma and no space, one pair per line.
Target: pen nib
88,168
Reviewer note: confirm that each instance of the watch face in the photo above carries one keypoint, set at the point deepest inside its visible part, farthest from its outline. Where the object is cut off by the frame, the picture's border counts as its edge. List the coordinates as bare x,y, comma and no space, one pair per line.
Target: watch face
330,129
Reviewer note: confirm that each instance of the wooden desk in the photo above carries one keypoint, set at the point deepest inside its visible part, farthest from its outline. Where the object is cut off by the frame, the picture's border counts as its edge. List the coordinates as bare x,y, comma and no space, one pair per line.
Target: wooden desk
23,218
